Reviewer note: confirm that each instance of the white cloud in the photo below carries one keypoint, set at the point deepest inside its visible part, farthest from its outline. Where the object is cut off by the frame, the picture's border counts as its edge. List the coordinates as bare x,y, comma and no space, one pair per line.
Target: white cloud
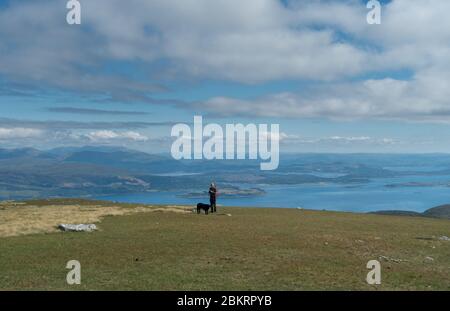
350,139
106,135
424,98
19,133
273,136
339,140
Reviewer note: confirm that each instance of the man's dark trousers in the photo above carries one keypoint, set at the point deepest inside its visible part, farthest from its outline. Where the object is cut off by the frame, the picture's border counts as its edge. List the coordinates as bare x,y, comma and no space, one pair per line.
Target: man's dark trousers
212,202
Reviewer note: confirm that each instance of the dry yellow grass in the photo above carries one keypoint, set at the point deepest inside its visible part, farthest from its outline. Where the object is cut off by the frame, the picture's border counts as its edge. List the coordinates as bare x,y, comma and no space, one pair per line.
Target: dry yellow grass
22,219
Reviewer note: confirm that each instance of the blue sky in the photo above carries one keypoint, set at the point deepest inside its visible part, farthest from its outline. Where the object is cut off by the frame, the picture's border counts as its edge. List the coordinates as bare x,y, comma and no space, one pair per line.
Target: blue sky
130,71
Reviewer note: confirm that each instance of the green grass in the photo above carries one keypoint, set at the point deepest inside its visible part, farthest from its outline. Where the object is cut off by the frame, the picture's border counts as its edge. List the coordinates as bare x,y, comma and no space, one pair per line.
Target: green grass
254,249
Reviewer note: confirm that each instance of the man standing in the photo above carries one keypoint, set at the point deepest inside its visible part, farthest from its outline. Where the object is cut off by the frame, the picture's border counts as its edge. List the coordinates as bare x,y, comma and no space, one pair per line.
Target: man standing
212,197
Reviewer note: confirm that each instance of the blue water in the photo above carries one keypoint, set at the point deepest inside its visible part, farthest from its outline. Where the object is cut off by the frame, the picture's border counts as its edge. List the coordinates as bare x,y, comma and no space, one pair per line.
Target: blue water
364,197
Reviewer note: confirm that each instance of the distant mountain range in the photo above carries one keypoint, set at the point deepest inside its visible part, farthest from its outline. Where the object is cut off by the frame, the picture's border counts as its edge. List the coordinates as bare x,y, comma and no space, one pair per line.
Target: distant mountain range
97,171
92,171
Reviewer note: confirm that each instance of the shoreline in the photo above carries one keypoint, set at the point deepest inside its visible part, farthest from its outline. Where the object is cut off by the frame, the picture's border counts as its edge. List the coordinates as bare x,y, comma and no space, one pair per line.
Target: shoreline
438,212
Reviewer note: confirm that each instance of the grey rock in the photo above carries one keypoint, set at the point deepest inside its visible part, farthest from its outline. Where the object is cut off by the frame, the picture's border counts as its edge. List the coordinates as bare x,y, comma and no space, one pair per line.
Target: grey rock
77,227
396,260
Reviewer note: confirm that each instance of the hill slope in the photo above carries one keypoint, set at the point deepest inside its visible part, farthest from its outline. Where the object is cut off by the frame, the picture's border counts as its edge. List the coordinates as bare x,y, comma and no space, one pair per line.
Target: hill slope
442,211
253,249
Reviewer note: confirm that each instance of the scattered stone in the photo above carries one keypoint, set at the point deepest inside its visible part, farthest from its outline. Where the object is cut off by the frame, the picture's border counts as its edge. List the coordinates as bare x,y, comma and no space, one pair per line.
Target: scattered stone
429,259
77,228
396,260
229,215
444,238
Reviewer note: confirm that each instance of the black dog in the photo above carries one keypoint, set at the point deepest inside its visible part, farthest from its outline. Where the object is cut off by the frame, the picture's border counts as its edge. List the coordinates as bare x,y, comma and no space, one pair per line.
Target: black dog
202,206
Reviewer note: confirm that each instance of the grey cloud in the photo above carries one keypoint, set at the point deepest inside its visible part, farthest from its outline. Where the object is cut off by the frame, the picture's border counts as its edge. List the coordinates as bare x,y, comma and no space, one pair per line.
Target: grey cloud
65,125
166,40
262,40
40,51
86,111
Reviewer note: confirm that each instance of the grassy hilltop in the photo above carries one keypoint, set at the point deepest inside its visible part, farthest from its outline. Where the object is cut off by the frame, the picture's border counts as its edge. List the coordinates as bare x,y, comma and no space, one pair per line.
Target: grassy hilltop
170,248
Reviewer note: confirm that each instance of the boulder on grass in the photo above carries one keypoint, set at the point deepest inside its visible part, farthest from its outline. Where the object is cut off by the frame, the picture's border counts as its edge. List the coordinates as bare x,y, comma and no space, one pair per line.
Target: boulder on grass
77,228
